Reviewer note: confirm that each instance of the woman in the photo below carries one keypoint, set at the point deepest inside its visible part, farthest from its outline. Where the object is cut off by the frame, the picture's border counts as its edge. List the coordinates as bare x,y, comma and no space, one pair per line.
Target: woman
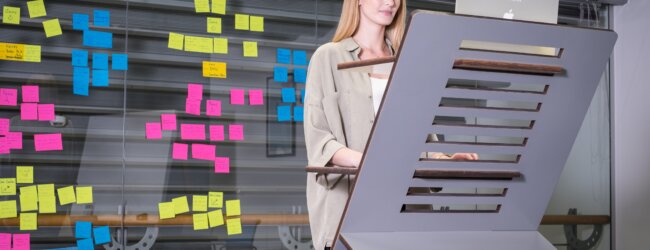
341,105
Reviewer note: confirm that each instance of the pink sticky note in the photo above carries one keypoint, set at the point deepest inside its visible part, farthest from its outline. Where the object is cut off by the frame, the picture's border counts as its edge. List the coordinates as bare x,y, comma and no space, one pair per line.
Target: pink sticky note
193,106
15,140
30,93
48,142
29,111
8,97
237,96
204,151
192,131
236,132
222,165
46,112
5,241
213,108
216,133
179,151
4,126
153,130
256,97
168,121
21,242
4,146
194,91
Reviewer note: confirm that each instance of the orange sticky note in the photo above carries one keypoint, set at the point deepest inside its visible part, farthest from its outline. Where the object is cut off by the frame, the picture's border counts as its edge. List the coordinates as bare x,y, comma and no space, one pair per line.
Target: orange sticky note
214,69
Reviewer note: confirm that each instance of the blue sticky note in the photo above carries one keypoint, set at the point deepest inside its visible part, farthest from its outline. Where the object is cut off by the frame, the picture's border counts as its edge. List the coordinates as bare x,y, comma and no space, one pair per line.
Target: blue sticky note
85,244
288,95
80,21
299,75
102,235
280,74
102,18
302,96
82,229
98,39
79,58
120,62
100,61
100,77
284,113
298,114
80,80
284,56
300,57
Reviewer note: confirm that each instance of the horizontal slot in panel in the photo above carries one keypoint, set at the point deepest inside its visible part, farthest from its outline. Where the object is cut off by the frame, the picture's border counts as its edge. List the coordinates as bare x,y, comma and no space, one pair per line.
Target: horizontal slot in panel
452,208
511,48
483,158
466,174
441,191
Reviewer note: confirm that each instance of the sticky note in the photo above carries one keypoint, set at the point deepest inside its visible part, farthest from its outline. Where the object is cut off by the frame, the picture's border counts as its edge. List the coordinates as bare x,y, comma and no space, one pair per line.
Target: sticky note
283,55
233,226
193,106
288,95
36,8
30,93
84,195
85,244
216,133
7,186
120,62
284,113
215,218
299,75
153,131
52,28
8,97
198,44
175,41
5,241
21,242
219,7
101,18
79,58
194,91
100,77
100,61
168,121
298,114
46,112
192,132
280,74
102,235
250,49
237,96
213,108
220,45
4,126
46,199
299,57
80,80
214,25
29,111
203,151
215,199
233,208
236,132
166,210
200,221
241,22
98,39
28,198
66,195
48,142
24,174
200,203
179,151
8,209
14,140
83,229
28,221
11,15
201,6
181,205
222,165
80,21
214,69
255,97
257,23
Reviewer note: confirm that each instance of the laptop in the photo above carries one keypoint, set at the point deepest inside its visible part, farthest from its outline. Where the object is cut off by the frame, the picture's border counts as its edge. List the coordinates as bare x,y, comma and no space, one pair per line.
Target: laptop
545,11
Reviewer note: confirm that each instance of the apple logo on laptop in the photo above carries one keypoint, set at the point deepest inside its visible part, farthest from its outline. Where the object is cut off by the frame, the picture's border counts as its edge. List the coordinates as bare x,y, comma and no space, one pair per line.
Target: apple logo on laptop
509,15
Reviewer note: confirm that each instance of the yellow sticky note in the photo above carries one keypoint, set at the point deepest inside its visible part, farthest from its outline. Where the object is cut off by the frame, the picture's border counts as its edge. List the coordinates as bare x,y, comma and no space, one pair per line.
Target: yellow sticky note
36,8
241,22
24,174
175,41
257,23
250,49
166,210
52,28
221,45
66,195
219,7
233,208
214,25
202,6
7,186
11,15
200,221
46,199
214,69
28,221
84,195
215,199
181,205
8,209
32,53
198,44
28,199
215,218
199,203
234,226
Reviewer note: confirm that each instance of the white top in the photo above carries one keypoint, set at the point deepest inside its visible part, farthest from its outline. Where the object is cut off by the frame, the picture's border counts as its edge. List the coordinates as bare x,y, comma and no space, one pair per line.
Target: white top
378,88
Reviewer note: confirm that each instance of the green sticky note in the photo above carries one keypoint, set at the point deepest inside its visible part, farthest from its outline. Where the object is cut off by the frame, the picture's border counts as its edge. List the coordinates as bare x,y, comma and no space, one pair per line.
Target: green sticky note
66,195
181,205
36,9
199,203
8,209
241,22
7,186
28,199
215,199
24,174
10,15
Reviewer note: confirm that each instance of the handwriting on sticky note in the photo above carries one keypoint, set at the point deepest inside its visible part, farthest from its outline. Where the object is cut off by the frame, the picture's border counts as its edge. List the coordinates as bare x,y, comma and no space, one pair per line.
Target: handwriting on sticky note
7,186
5,241
219,7
215,218
192,132
66,195
153,131
220,45
8,97
202,6
11,15
24,174
200,203
179,151
46,112
15,140
84,195
181,205
168,121
283,56
102,18
236,132
233,208
175,41
166,210
36,9
48,142
214,25
237,96
194,91
29,111
288,95
241,22
8,209
46,199
222,165
28,199
255,97
52,28
198,44
213,108
217,133
193,106
200,221
203,151
250,49
21,242
28,221
215,199
257,23
280,74
234,226
30,93
215,69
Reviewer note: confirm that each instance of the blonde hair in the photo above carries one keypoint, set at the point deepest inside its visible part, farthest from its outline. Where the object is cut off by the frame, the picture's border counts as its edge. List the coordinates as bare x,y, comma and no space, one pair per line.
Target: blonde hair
349,23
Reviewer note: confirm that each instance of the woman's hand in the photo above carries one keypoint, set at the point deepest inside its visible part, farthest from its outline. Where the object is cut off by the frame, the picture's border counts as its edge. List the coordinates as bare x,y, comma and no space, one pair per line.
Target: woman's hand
464,156
346,157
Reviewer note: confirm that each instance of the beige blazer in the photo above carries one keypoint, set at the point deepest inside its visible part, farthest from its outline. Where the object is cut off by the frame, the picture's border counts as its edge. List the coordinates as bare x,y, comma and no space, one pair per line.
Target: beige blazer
338,113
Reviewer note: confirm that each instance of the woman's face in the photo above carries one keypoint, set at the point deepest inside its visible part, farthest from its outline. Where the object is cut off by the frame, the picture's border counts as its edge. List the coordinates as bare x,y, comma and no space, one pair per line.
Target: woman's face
379,11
